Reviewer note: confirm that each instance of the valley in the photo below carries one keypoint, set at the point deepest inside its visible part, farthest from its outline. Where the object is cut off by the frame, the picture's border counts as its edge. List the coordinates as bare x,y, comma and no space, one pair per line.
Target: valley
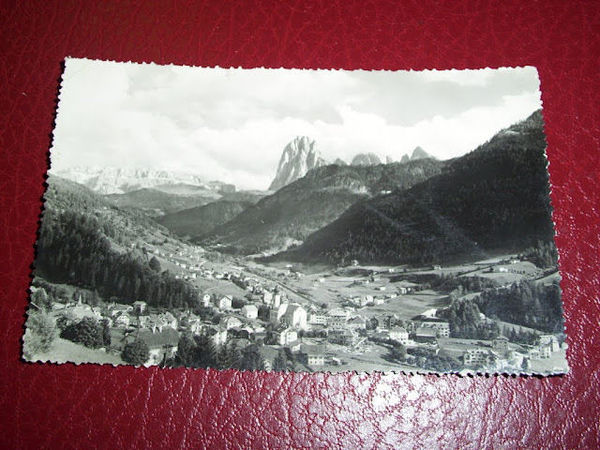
419,265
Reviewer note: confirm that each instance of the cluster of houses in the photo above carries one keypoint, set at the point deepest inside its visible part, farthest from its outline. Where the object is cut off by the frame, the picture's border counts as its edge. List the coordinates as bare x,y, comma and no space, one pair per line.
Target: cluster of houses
268,318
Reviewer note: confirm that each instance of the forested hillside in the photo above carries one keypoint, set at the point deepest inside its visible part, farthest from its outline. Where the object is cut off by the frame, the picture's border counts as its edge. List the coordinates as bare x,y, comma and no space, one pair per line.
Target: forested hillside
304,206
492,199
85,241
203,219
157,202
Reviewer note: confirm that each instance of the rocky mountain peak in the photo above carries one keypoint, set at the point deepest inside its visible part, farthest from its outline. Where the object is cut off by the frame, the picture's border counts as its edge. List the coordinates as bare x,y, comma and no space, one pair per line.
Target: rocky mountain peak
417,153
298,157
366,159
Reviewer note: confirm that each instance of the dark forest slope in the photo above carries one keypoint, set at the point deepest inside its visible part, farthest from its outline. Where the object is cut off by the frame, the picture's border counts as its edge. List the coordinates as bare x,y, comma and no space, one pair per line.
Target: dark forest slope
88,242
304,206
492,199
203,219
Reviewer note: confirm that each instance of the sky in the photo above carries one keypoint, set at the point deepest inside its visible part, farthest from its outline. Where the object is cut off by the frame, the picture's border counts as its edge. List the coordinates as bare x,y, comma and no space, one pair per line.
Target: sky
232,124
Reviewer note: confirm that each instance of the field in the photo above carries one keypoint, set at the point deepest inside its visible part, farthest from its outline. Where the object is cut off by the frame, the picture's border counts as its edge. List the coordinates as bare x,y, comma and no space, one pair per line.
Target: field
63,351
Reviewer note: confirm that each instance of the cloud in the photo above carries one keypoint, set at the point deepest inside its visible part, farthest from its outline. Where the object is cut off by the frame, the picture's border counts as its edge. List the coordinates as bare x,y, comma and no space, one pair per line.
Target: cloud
233,124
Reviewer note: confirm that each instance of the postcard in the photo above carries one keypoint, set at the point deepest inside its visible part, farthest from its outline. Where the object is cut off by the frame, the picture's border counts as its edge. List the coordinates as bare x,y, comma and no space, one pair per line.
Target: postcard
298,220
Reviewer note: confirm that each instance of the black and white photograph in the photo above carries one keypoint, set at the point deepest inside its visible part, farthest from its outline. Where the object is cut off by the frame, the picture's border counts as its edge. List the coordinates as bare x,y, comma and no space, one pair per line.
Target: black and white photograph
294,220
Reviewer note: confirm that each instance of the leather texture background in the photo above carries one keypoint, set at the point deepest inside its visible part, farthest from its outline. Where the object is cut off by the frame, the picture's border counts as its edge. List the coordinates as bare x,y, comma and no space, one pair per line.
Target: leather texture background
93,406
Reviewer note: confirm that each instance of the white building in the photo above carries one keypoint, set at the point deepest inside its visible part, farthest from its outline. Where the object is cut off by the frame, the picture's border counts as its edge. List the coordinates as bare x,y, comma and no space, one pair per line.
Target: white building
295,316
315,318
122,321
224,303
337,319
477,357
399,334
230,322
287,336
250,312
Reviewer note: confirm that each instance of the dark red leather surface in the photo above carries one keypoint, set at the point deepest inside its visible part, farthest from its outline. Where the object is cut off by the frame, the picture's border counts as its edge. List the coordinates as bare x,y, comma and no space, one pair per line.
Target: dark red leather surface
92,406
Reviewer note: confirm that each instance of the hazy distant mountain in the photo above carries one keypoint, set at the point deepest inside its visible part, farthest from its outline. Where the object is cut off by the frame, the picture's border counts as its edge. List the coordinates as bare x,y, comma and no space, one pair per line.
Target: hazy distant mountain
389,160
493,199
340,162
292,213
203,219
298,157
366,159
405,159
115,180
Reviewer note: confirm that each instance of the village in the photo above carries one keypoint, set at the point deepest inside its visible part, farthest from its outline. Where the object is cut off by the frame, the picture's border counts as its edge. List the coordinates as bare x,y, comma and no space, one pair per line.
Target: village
356,318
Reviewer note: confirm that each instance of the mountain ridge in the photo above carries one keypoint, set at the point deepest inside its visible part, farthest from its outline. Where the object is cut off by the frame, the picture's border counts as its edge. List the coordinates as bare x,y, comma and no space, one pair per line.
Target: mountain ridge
290,214
491,199
117,180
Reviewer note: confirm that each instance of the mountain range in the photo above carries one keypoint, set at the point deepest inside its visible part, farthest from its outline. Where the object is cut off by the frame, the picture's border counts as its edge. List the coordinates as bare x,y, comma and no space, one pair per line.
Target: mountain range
289,215
494,199
116,180
301,155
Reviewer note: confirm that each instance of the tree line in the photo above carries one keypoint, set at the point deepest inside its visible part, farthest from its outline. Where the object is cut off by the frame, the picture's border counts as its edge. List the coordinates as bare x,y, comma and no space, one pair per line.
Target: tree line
73,249
531,304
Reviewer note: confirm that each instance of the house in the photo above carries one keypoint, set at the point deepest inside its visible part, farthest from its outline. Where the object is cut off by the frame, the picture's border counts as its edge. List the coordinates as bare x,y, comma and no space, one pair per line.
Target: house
287,336
121,321
357,323
224,303
250,311
295,316
337,319
550,341
196,326
139,307
425,335
267,297
206,300
342,337
378,301
315,318
399,334
168,320
441,327
312,355
220,336
161,344
478,357
158,322
500,345
230,322
81,310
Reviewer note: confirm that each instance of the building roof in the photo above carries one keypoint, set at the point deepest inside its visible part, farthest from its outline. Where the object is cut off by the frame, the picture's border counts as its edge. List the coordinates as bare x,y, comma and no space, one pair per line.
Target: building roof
248,307
427,332
292,308
338,312
312,349
398,330
159,339
357,319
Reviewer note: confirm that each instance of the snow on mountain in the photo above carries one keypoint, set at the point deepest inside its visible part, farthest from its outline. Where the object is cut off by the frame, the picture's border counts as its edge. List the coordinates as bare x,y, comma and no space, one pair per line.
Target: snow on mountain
298,157
116,180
